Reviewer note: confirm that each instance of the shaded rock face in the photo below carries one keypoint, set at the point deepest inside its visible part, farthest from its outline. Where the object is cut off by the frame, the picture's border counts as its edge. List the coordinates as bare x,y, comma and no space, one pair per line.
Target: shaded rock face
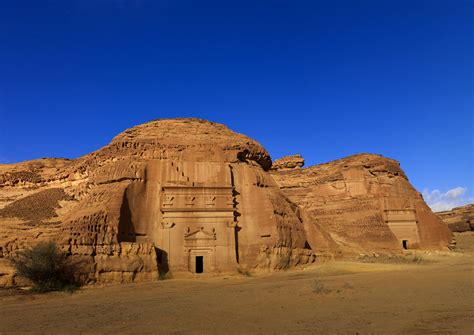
365,203
459,219
180,196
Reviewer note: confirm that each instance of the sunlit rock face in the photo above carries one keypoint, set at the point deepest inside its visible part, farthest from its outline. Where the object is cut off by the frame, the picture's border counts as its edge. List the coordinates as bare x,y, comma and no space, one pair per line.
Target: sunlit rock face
169,196
366,203
188,196
288,162
459,219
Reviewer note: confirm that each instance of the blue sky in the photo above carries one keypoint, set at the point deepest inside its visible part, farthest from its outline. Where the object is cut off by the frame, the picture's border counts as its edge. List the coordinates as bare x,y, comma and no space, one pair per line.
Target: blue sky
326,79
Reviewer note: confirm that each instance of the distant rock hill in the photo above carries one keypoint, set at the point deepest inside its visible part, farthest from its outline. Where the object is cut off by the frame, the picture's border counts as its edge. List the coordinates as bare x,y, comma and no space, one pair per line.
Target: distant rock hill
365,202
189,196
459,219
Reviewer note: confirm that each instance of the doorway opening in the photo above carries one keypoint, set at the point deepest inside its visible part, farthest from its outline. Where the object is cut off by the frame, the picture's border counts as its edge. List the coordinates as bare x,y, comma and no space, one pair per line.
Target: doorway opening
199,264
405,244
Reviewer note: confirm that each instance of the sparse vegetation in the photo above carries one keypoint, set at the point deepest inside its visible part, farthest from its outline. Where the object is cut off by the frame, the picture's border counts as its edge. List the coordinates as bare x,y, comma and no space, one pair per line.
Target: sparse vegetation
47,267
319,288
348,286
418,259
394,259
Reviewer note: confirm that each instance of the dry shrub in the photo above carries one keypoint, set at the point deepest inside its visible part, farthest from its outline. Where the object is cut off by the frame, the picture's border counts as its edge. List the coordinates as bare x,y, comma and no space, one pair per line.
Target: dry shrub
47,267
319,288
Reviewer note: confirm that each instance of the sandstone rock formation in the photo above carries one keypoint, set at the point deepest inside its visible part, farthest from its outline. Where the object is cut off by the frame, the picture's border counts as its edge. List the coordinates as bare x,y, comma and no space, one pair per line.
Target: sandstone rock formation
181,195
459,219
288,162
365,203
191,196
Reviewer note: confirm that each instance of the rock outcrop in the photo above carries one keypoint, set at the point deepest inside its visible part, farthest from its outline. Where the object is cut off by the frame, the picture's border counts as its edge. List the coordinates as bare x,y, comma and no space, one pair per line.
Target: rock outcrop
288,162
180,195
365,203
459,219
187,196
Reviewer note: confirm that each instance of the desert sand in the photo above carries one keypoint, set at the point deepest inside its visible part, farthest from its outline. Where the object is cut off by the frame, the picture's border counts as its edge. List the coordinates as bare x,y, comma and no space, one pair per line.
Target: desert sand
363,296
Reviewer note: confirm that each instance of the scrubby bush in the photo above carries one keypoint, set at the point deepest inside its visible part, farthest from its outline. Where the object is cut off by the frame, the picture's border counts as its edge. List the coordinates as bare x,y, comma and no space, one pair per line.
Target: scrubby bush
348,286
319,288
418,259
394,259
47,267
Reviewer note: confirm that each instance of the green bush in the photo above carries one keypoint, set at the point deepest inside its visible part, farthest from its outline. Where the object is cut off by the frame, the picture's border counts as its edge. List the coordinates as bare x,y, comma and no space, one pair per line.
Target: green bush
47,267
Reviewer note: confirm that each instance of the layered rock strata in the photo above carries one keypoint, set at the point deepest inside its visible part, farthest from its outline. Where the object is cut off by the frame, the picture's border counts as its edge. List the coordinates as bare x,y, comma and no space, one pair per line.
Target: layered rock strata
459,219
180,196
288,162
365,203
188,196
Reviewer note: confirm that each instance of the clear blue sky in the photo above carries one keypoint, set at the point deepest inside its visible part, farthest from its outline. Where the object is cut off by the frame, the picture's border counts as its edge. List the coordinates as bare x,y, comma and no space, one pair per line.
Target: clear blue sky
325,79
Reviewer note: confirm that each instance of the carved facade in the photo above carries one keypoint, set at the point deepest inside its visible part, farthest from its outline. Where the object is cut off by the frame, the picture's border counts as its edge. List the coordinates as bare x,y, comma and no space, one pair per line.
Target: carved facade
400,216
199,223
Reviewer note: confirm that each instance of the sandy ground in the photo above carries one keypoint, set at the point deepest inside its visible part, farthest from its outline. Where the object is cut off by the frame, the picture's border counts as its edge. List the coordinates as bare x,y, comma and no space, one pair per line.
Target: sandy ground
435,296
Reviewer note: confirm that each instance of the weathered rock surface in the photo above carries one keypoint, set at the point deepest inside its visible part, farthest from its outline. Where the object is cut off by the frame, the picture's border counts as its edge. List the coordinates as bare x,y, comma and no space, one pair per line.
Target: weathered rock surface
459,219
190,196
365,203
288,162
181,195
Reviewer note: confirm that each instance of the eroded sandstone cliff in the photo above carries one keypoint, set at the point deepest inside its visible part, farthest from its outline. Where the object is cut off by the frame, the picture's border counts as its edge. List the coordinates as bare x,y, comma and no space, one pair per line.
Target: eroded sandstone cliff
365,203
191,196
180,195
459,219
288,162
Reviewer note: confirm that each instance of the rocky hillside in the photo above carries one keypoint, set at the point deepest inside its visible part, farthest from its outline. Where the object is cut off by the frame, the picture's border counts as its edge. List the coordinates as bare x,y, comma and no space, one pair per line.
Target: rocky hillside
365,202
189,196
459,219
288,162
160,197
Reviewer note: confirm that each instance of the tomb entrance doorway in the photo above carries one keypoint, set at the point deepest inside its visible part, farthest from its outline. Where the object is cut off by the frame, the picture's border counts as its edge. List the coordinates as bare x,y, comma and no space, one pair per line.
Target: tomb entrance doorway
199,264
